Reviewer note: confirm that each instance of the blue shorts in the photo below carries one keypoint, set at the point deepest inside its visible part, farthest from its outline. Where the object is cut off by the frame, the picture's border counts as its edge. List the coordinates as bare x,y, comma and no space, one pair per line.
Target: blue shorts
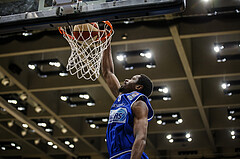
128,156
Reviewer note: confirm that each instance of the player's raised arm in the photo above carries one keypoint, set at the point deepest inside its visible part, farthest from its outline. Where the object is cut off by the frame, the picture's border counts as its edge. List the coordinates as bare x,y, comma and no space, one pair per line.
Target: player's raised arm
108,72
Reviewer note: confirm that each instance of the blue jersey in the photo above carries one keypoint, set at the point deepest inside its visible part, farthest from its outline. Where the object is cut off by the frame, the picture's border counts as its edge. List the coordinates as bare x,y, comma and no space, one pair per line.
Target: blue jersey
119,134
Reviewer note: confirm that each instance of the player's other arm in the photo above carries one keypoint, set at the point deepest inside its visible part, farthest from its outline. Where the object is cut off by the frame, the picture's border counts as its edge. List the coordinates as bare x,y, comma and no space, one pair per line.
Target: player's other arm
108,72
140,111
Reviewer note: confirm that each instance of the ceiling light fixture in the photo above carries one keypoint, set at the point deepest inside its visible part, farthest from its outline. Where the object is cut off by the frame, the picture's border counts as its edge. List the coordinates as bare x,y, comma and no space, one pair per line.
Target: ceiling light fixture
166,98
55,146
121,57
38,109
159,122
32,66
136,59
129,68
56,64
10,123
12,101
52,121
180,120
21,108
146,54
77,99
90,104
71,146
225,85
163,90
189,139
150,66
46,71
36,141
169,136
64,98
18,147
92,126
42,124
104,119
50,143
24,132
84,96
75,139
13,144
232,132
168,118
188,135
25,125
27,33
64,130
63,74
5,81
48,130
23,96
171,140
67,142
124,36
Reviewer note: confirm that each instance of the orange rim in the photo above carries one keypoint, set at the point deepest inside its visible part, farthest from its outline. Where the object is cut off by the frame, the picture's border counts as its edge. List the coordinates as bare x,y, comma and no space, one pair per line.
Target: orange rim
102,39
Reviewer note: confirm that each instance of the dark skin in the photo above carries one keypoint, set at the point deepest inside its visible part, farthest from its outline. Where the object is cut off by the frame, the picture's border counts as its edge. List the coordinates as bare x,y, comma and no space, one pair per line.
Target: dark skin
139,108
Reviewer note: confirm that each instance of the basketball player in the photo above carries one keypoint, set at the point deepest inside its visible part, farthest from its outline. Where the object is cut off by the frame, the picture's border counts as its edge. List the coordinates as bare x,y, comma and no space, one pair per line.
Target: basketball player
128,120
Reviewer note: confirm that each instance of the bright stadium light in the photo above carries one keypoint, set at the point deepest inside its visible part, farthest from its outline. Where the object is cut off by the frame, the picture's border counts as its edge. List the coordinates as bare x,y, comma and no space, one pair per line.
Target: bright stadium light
92,126
55,146
104,119
121,57
169,136
188,135
225,85
56,64
64,98
25,125
12,101
67,142
159,122
32,66
180,121
189,139
71,146
171,140
18,147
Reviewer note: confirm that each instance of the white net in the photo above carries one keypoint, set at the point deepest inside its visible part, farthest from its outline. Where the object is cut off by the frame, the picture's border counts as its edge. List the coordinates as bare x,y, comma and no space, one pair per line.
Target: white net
87,42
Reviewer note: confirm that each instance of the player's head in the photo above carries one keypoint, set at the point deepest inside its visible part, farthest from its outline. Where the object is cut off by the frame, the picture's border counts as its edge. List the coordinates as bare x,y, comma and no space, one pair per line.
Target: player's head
140,83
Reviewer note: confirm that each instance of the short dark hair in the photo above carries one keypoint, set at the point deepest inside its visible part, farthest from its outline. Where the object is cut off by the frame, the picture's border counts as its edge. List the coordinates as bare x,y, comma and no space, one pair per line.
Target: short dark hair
147,84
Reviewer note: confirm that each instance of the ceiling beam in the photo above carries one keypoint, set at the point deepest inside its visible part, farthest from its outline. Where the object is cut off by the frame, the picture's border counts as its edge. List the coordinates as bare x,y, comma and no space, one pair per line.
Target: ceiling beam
182,54
22,118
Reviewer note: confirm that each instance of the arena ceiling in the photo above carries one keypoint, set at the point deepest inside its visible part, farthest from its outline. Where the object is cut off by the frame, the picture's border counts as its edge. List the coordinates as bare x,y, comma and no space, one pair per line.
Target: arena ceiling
194,54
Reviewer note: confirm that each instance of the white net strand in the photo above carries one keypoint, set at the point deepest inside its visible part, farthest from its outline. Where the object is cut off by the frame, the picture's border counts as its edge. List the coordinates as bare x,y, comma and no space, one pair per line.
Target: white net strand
87,44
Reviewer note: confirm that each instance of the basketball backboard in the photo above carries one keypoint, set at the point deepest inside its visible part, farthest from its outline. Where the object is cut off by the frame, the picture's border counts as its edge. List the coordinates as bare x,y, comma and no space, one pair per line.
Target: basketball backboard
22,15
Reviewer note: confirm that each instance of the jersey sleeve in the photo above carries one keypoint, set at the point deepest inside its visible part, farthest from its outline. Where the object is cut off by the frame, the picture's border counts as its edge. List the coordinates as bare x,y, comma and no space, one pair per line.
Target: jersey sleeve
134,96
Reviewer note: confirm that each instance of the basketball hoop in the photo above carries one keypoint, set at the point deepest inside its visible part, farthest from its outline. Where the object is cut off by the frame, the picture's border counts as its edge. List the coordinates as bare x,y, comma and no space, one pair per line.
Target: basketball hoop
88,42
